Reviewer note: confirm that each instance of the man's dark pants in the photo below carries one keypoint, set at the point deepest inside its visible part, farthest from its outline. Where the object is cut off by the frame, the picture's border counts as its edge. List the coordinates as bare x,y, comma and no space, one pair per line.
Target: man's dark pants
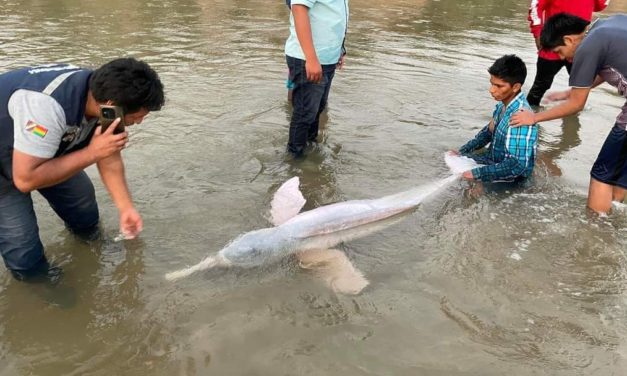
73,200
308,100
545,73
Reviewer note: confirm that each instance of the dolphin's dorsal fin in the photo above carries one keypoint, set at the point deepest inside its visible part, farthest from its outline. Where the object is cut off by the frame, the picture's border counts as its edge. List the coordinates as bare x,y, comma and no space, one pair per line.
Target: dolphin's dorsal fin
287,202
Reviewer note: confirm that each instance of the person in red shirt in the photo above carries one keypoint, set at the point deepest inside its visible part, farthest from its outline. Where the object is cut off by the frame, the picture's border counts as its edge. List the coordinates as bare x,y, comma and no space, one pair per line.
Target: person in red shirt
549,63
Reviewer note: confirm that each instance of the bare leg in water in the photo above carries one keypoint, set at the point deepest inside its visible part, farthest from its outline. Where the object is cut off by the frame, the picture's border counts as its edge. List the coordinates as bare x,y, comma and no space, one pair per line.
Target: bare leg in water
601,195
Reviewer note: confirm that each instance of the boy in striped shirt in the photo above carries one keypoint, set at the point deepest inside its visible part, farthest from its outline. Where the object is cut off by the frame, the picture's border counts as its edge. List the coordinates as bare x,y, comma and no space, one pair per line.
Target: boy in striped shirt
511,154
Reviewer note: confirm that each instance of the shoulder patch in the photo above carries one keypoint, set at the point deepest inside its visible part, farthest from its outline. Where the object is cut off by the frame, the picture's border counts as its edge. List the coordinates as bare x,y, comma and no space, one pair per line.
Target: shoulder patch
36,129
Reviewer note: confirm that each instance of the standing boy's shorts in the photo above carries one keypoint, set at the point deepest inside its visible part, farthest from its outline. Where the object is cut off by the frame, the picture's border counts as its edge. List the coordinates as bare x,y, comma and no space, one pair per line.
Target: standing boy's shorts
611,164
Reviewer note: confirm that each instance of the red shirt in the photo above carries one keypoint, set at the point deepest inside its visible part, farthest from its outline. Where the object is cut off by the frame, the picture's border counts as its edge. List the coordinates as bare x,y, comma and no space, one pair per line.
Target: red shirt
542,10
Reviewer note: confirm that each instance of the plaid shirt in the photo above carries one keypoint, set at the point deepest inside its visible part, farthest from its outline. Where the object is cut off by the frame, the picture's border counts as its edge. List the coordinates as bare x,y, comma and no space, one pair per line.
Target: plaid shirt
512,150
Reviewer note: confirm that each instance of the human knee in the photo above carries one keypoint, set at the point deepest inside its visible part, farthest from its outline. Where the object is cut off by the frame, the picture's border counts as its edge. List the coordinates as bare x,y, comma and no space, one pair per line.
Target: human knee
83,214
22,254
618,194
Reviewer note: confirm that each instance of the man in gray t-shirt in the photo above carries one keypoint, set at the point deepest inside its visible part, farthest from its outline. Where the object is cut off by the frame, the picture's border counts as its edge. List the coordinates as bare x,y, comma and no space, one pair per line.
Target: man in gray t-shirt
49,134
598,56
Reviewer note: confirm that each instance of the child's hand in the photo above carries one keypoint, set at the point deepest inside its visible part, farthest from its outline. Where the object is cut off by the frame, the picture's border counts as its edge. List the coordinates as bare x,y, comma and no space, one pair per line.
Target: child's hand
314,71
340,64
454,152
468,175
474,191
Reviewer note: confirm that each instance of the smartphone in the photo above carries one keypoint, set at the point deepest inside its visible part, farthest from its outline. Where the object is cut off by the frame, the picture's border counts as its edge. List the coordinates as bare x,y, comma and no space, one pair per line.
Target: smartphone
108,114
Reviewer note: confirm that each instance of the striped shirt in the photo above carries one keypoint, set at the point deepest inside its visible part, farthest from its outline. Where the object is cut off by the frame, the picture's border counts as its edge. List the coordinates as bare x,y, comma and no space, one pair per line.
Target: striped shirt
512,150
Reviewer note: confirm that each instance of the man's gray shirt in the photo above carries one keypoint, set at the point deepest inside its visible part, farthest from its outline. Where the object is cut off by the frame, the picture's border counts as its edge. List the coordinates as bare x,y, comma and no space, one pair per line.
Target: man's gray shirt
40,125
603,52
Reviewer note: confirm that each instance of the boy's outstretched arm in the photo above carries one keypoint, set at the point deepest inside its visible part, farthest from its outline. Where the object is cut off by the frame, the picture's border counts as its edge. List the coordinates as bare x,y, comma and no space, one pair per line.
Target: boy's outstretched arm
519,153
303,33
481,139
498,171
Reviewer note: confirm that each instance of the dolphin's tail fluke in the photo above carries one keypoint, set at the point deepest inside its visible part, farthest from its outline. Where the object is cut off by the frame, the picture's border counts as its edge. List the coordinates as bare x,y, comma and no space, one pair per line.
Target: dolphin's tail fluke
208,263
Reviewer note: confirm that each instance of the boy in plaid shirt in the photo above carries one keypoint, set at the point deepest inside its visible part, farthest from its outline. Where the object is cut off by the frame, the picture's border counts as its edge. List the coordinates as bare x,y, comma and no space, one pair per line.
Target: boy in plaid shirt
512,151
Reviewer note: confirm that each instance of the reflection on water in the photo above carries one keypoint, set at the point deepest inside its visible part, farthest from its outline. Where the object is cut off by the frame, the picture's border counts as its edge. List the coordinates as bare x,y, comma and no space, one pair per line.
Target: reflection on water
94,300
520,282
552,147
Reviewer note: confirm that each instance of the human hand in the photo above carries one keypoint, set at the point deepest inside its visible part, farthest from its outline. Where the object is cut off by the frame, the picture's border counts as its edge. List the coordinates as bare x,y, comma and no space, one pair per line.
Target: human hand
131,223
314,71
474,190
538,44
453,152
340,64
523,117
468,175
555,96
104,144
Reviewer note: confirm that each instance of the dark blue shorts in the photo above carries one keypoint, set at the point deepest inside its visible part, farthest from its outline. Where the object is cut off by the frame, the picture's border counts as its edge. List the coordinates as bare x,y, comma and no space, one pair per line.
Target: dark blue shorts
611,164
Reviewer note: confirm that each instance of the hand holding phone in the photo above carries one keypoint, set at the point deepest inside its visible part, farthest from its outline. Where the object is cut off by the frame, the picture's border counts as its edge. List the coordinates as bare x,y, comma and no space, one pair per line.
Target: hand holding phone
108,114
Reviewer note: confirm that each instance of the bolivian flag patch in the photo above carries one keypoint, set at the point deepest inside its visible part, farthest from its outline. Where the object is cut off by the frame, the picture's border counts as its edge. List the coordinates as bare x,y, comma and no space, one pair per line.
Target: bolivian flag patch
36,129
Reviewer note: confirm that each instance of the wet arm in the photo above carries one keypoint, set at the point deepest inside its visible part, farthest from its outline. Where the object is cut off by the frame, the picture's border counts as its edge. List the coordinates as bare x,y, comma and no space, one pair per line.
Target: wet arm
499,171
481,139
574,104
111,171
519,153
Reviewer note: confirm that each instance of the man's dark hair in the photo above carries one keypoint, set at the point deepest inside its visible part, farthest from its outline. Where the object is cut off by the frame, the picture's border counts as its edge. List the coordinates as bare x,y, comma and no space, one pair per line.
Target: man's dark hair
558,26
129,83
509,68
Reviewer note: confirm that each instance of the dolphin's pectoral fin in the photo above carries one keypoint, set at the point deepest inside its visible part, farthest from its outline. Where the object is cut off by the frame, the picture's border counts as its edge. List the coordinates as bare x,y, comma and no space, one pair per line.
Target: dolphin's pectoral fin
335,269
287,202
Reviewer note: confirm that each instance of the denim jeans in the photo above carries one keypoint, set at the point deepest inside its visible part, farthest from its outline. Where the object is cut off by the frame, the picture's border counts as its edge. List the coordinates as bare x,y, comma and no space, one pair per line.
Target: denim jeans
308,100
74,201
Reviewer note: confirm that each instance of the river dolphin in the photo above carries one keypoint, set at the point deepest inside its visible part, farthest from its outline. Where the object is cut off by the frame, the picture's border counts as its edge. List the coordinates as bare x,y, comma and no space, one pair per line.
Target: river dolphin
311,234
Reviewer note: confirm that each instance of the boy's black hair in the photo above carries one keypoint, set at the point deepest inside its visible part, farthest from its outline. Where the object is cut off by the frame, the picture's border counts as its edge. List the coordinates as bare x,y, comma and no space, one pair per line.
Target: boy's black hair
509,68
558,26
129,83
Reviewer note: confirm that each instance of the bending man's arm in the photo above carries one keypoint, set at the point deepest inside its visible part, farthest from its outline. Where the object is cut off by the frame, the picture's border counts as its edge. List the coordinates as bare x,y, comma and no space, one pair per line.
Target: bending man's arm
111,171
31,173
